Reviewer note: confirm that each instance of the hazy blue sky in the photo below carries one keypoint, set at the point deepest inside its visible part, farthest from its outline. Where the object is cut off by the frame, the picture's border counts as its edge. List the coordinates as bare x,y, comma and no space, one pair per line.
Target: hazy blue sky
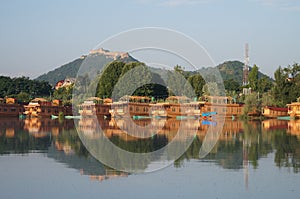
38,36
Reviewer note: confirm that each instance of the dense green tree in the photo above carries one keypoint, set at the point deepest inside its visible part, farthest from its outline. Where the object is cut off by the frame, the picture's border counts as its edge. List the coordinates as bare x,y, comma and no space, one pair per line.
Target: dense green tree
231,85
264,84
64,94
211,88
108,78
287,82
14,86
252,104
197,82
253,78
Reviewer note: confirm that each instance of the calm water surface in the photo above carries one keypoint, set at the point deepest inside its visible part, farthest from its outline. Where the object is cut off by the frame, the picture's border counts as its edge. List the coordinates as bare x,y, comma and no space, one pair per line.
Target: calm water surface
46,159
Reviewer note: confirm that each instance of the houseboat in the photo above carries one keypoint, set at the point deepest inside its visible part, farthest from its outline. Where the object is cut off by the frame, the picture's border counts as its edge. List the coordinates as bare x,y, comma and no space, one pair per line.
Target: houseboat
40,107
10,107
223,106
178,106
274,112
158,110
95,106
131,106
294,109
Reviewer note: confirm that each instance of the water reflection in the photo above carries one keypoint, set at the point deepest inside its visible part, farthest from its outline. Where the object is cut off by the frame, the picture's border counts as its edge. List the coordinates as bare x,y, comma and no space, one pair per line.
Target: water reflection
241,144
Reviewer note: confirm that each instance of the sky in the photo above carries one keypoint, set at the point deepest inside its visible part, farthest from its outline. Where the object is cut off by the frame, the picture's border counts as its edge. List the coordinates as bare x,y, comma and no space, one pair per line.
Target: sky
39,36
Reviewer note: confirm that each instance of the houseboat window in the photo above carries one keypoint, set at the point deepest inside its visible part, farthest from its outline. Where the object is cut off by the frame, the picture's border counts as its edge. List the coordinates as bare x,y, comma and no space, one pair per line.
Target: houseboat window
180,110
131,109
43,110
173,109
5,110
13,110
49,110
224,110
137,109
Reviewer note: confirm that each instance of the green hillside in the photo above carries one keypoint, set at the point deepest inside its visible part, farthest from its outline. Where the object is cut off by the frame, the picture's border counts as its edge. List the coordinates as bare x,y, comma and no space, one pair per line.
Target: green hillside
70,69
230,70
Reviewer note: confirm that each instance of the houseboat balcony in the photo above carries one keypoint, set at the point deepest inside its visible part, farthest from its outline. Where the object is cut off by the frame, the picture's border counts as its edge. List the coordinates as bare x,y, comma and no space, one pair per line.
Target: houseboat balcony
294,109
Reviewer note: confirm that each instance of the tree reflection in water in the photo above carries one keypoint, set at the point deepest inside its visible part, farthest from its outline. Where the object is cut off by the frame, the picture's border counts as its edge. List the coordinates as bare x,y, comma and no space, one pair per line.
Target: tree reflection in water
240,143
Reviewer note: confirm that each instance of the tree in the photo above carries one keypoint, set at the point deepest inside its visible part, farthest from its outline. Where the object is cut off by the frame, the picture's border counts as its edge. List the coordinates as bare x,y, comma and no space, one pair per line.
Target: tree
287,82
253,78
264,84
232,85
197,82
108,78
252,104
211,88
64,94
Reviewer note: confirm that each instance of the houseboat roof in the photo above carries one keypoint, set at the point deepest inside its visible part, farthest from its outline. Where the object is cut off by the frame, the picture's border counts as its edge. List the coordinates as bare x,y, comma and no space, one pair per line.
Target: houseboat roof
294,104
134,98
179,98
93,98
39,99
273,108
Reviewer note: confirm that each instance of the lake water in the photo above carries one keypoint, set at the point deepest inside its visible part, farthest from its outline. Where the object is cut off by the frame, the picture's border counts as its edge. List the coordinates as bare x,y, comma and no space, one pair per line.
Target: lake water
43,158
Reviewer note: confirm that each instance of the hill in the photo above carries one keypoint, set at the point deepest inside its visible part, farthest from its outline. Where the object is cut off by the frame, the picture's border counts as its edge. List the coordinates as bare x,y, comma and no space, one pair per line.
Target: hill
70,69
230,70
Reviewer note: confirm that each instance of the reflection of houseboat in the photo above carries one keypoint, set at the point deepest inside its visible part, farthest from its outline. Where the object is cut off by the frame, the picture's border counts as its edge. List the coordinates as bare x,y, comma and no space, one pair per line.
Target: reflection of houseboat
294,127
95,106
131,106
294,109
274,112
273,124
40,107
10,107
224,106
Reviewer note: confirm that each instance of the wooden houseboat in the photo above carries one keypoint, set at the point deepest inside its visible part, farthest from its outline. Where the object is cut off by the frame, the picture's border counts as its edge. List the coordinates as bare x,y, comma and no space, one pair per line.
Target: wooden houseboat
223,106
131,106
294,110
40,107
158,110
10,107
95,106
274,112
182,106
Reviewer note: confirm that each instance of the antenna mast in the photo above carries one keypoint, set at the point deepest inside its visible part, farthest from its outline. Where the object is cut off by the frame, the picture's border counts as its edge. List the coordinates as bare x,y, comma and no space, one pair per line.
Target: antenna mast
246,66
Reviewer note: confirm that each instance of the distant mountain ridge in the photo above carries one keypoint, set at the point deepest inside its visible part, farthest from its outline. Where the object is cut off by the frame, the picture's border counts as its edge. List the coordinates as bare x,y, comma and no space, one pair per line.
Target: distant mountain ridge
70,69
228,70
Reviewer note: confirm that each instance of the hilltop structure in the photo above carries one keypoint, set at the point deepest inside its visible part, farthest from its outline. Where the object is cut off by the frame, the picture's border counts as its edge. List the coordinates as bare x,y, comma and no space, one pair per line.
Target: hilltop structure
108,54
